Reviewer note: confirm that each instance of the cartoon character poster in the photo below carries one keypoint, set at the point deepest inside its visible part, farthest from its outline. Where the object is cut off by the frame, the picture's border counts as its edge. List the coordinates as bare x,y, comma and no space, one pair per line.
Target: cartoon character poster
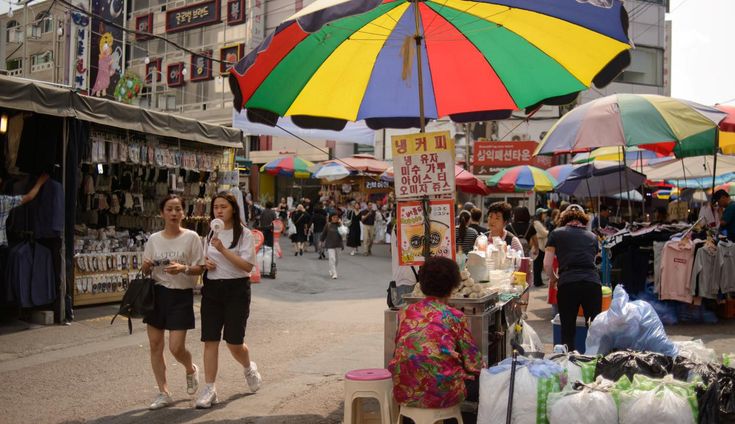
106,58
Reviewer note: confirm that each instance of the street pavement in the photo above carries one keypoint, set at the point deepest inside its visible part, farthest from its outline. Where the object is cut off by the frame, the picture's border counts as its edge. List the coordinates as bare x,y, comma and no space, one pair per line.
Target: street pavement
305,331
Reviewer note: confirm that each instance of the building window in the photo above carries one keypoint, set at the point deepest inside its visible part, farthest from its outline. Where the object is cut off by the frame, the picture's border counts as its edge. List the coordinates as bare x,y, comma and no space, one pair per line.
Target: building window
43,23
13,64
41,58
646,67
14,35
140,5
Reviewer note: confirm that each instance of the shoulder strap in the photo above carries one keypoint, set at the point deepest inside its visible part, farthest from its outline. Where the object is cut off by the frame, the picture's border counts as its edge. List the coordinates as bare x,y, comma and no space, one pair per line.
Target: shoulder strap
528,228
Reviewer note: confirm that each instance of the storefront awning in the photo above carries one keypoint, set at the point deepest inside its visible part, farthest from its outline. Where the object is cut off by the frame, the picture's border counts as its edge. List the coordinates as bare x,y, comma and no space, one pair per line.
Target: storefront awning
34,96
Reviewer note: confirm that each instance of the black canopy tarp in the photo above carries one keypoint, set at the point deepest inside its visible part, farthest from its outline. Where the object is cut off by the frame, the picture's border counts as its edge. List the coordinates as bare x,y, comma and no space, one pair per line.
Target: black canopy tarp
34,96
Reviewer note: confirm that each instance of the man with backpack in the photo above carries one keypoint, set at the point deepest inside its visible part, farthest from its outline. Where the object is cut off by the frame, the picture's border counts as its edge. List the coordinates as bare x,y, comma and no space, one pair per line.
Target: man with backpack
522,227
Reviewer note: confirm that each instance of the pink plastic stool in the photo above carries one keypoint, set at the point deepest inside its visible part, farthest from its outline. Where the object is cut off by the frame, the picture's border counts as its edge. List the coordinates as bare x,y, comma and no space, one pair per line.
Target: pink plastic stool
368,374
376,383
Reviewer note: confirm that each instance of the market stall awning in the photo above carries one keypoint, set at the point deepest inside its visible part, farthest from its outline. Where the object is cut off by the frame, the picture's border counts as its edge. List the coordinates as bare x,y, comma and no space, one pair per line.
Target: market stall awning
692,167
39,97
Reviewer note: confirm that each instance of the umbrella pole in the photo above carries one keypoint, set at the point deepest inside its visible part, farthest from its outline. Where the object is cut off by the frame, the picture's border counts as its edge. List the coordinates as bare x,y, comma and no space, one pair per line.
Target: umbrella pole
627,184
419,71
714,167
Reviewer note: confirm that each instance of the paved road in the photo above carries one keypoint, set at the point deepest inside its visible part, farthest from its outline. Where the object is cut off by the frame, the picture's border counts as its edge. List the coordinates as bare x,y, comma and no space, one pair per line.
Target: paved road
305,331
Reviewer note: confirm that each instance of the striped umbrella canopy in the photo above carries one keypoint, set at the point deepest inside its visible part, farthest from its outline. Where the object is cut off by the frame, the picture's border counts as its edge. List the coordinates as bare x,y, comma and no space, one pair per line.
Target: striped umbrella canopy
522,178
561,172
612,153
332,171
393,63
662,124
289,166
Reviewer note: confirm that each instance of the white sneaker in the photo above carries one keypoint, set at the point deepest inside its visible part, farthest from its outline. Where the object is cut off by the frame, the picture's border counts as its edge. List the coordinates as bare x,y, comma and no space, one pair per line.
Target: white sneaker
162,400
207,397
192,381
334,276
352,253
253,377
331,274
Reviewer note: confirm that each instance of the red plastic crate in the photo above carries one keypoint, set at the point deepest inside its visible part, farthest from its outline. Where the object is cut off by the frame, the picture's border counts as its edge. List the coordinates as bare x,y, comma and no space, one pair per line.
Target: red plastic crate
727,309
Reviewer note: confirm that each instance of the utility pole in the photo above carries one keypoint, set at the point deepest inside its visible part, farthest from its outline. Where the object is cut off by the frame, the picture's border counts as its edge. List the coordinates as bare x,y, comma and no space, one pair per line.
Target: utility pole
26,65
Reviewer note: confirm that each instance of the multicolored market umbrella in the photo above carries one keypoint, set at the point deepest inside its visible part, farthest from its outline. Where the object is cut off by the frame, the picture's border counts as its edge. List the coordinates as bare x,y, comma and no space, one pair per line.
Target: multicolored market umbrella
600,178
522,178
728,187
613,153
651,122
361,163
289,166
330,171
337,61
560,172
727,129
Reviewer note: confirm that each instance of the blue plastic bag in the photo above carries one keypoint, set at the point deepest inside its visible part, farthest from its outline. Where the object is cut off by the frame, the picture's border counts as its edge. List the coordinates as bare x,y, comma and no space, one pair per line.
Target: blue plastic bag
628,325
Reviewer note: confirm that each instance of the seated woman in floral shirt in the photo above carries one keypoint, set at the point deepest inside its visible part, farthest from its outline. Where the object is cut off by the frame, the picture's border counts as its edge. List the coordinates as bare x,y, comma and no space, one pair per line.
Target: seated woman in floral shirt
434,352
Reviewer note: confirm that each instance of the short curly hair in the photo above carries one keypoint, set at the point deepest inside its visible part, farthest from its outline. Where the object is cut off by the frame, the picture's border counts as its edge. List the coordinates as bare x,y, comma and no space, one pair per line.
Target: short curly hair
500,207
573,214
439,276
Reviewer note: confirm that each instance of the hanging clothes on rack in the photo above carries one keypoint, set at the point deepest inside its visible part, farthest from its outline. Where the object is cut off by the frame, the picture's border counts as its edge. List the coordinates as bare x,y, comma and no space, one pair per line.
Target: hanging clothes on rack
677,261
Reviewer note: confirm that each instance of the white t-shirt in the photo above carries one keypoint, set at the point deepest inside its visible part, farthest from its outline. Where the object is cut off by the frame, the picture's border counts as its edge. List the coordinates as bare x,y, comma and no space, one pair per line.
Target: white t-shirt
185,249
225,269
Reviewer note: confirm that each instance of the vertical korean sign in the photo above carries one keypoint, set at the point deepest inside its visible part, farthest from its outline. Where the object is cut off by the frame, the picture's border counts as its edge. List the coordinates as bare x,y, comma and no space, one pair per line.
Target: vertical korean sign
423,164
411,236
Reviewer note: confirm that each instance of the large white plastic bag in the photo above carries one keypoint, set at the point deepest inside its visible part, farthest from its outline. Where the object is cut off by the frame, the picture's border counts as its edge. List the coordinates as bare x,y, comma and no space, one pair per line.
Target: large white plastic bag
628,325
592,404
696,351
527,407
527,337
650,401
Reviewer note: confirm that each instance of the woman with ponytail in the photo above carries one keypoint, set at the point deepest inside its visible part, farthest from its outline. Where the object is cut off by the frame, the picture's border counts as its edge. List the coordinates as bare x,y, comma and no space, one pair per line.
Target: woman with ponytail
466,235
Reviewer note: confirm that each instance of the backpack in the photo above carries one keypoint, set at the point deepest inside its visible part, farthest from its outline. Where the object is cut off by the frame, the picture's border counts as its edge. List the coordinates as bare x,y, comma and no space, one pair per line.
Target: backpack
524,240
138,300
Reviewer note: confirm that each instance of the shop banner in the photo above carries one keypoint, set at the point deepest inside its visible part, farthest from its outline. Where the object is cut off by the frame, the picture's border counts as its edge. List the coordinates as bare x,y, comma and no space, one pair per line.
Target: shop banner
411,231
423,164
371,184
193,16
107,61
492,156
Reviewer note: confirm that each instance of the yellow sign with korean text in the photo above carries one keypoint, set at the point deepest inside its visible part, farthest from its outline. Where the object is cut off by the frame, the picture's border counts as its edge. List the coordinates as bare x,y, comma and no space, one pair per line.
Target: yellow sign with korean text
423,164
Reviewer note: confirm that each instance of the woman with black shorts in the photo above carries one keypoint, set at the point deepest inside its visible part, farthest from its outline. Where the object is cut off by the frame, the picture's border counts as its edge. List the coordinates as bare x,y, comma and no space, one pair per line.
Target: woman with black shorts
230,256
174,258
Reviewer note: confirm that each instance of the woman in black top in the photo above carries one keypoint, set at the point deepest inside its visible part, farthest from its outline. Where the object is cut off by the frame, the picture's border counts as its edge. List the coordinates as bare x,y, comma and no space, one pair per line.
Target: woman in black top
301,220
466,235
578,281
353,238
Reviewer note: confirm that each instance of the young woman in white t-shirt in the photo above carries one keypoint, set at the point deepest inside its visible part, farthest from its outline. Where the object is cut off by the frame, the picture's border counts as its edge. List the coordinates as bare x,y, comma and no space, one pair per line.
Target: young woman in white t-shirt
229,258
174,258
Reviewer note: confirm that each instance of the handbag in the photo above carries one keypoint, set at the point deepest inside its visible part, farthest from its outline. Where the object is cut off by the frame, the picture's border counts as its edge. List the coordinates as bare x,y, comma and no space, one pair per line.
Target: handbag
138,300
343,230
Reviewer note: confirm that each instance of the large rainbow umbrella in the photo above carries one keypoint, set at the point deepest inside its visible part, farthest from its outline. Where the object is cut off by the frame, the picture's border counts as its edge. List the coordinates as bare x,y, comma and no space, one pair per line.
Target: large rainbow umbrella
662,124
728,187
561,172
289,166
522,178
393,63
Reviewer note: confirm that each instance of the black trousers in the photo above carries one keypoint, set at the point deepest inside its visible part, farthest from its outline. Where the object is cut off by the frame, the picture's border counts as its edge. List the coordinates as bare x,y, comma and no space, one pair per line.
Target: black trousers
538,267
570,297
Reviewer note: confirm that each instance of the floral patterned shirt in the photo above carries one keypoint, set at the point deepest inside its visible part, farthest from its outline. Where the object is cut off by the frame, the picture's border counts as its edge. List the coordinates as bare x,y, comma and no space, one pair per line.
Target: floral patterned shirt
434,354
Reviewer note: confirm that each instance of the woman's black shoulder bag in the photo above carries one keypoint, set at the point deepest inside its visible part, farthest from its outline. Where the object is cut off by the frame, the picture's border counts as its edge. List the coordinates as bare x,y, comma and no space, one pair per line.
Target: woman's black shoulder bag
138,300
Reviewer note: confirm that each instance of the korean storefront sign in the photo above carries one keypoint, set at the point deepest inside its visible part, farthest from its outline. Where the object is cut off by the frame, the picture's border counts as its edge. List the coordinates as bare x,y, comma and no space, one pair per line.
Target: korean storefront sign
371,184
423,164
491,156
411,235
193,15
